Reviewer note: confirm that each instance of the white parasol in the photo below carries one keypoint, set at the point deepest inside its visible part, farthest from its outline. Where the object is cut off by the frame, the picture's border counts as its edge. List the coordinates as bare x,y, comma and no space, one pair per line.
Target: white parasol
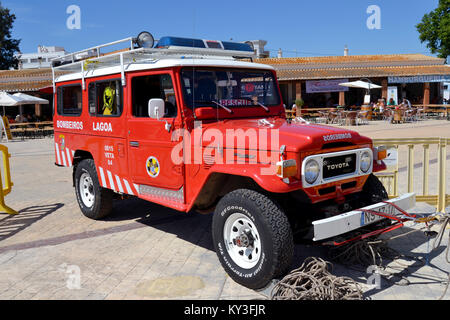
8,100
360,84
27,99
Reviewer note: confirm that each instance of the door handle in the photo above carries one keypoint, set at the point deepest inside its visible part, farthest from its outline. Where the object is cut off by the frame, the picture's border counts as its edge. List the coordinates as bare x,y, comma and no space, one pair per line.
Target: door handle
134,144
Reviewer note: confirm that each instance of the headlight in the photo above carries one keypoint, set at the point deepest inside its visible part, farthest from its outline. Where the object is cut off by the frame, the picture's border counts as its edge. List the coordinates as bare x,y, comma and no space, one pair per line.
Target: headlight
312,170
366,162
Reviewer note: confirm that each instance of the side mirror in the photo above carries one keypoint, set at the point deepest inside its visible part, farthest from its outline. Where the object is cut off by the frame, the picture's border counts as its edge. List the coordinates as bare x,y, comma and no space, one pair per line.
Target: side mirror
156,108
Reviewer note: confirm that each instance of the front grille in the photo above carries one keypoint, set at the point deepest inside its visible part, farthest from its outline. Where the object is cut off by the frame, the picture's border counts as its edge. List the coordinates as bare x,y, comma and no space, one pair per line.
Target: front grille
339,166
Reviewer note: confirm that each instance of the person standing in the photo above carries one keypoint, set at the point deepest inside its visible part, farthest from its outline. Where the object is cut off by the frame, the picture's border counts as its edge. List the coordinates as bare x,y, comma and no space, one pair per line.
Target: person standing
406,104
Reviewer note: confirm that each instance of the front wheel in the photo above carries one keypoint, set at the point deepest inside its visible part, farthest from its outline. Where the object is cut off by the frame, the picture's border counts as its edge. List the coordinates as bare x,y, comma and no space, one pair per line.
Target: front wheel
252,237
374,191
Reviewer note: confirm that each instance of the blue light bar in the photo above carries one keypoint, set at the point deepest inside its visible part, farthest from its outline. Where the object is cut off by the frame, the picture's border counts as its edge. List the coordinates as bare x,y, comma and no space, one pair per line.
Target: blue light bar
180,42
167,42
237,46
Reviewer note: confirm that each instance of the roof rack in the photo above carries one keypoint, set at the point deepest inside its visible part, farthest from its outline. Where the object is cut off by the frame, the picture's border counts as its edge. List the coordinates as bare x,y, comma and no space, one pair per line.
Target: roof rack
92,58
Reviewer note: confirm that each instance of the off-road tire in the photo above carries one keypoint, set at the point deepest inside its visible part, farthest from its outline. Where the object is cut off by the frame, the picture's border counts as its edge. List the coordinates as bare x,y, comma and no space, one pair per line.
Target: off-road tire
102,198
374,191
276,239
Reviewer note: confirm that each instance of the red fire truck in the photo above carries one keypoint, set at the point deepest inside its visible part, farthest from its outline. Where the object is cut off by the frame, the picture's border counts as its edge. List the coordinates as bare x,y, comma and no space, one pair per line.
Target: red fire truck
194,124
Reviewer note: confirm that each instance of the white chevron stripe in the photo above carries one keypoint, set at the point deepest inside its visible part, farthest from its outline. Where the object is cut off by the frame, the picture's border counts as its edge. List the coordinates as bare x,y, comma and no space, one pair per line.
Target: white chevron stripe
127,186
111,181
58,157
63,156
102,176
119,185
69,157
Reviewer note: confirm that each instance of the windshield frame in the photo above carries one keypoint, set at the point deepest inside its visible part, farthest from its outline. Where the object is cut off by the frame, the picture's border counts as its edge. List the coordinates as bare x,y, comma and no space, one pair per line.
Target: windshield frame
193,105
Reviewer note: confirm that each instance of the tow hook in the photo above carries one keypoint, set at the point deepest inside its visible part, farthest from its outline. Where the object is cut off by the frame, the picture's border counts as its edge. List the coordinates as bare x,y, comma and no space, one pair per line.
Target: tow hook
340,198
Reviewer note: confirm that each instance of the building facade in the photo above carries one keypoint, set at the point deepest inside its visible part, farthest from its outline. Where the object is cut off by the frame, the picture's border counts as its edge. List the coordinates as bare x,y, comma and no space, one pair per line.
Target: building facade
315,80
421,79
41,59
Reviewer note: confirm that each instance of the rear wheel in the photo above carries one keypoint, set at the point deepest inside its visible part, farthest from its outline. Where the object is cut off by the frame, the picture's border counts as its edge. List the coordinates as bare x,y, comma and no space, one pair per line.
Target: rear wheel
252,237
95,202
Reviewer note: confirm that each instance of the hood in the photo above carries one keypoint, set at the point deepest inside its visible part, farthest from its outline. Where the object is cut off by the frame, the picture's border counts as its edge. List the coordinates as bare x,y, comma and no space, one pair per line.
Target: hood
297,137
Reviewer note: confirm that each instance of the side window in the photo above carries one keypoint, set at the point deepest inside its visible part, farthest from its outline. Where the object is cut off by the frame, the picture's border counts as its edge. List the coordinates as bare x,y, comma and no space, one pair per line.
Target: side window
105,98
153,87
70,100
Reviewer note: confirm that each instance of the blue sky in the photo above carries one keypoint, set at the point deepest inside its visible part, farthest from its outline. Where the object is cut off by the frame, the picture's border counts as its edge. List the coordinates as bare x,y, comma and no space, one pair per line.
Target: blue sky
303,28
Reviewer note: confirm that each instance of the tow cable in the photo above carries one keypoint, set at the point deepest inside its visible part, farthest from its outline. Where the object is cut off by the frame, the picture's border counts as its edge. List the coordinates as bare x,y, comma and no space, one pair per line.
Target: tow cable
313,281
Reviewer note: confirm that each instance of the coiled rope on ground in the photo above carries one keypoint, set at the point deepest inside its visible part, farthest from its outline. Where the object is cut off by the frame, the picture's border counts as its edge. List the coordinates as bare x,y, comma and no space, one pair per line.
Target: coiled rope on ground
373,252
313,281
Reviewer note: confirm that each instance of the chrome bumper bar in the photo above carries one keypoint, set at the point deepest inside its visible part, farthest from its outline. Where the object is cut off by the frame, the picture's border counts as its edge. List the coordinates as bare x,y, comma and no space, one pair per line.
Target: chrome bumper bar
350,221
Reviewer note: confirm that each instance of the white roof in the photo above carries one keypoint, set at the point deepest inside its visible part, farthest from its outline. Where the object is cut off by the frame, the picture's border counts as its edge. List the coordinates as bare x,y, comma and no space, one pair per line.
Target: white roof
164,63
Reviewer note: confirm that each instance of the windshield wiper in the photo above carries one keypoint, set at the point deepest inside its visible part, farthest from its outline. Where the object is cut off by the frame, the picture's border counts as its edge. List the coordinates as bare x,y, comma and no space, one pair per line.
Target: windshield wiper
263,106
259,104
223,107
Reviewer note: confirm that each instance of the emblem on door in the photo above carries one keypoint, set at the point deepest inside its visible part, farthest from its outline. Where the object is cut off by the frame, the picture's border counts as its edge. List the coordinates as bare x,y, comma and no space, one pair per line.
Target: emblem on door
153,168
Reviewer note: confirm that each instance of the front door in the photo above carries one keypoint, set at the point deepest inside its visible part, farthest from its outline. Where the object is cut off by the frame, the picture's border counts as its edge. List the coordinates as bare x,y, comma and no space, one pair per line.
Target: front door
150,144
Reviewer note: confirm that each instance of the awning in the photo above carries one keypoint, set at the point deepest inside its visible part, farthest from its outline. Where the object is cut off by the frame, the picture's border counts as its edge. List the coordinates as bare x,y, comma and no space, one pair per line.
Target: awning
421,79
27,99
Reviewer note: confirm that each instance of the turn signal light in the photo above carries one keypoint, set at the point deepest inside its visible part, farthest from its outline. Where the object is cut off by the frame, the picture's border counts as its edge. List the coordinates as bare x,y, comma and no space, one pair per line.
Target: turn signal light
287,168
380,153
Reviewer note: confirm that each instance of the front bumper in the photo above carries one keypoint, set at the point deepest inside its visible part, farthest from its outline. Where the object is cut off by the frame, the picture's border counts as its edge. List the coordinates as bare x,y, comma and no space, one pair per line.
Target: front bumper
351,221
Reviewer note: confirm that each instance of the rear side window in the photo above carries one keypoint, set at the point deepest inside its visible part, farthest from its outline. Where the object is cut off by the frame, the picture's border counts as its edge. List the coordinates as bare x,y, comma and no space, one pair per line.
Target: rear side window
70,100
105,98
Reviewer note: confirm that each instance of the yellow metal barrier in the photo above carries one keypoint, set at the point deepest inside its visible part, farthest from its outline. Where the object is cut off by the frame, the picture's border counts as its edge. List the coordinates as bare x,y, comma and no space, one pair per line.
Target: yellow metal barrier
390,178
5,190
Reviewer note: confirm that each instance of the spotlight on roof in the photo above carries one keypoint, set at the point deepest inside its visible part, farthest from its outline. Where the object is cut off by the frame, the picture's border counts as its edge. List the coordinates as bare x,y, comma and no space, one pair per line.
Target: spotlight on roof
145,40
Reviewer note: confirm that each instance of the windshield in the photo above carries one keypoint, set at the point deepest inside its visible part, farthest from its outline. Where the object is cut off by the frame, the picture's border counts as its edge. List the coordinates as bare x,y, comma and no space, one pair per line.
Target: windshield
230,88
